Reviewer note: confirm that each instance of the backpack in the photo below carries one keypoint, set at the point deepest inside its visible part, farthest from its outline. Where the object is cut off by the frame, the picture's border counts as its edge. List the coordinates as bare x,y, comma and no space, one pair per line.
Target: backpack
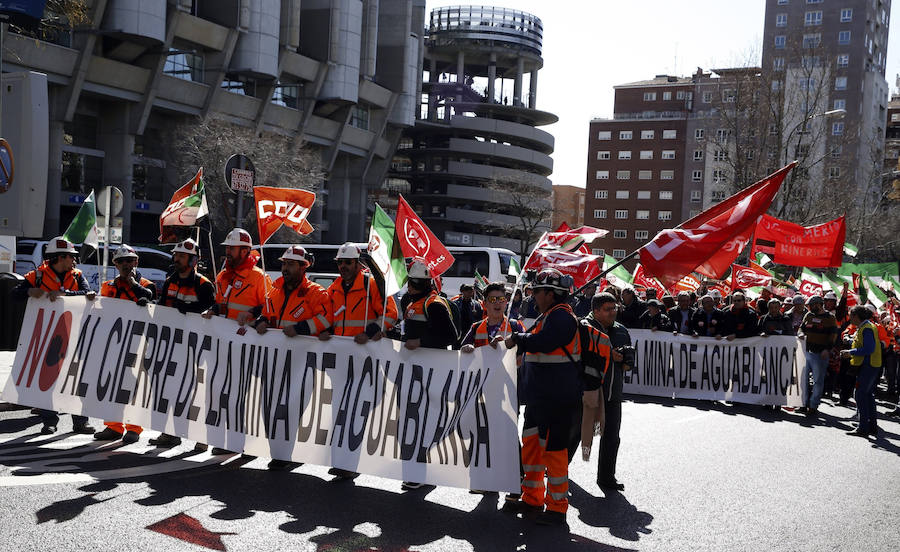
595,355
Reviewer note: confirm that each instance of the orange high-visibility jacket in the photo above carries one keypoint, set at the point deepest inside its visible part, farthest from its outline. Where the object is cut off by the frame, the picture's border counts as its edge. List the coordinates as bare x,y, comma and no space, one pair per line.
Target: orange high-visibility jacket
241,290
349,307
308,307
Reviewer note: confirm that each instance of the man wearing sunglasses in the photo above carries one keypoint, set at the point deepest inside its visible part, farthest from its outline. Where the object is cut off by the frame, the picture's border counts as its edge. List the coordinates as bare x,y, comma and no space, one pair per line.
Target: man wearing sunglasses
551,390
56,277
131,286
495,327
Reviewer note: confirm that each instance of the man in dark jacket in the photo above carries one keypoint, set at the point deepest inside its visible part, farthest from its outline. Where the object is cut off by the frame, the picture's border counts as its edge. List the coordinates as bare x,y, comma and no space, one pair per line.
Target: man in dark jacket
632,309
740,320
707,321
654,319
775,322
603,317
470,310
681,314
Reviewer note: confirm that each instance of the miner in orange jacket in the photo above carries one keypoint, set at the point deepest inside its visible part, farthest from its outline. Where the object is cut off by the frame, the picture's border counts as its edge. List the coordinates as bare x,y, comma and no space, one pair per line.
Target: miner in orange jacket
241,286
56,277
131,286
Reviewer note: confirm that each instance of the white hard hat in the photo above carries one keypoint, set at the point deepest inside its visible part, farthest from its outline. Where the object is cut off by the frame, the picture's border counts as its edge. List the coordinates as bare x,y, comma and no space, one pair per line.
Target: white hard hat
125,251
295,253
418,270
238,237
188,246
347,251
830,295
60,245
551,278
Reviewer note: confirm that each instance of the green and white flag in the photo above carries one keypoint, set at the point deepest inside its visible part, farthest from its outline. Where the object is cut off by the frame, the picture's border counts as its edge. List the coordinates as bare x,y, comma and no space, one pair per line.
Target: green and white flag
834,284
762,259
811,276
850,250
514,268
877,296
188,204
619,277
385,251
83,228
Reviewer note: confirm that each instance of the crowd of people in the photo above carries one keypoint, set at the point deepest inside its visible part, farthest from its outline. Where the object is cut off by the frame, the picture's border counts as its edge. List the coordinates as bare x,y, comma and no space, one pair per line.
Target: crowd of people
572,350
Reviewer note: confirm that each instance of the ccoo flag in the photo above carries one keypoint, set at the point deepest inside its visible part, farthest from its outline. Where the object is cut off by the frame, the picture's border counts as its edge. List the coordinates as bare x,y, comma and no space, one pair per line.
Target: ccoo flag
188,204
282,206
83,228
385,251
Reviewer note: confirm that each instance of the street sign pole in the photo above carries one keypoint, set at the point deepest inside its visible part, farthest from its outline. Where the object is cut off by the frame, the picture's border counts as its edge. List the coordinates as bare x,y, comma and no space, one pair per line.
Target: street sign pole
241,177
102,276
240,210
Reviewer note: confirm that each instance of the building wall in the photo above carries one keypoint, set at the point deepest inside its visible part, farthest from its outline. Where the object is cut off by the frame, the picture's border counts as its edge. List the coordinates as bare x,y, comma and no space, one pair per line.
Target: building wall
568,206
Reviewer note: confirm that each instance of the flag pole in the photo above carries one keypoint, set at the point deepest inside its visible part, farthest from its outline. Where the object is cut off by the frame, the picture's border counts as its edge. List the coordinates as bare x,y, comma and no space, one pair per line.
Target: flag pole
519,282
603,273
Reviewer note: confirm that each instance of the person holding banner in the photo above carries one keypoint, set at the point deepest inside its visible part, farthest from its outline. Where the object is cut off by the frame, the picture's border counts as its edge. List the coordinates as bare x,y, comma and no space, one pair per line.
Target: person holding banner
128,285
681,314
551,390
820,329
56,277
740,320
632,309
708,321
654,318
866,357
241,286
495,325
188,291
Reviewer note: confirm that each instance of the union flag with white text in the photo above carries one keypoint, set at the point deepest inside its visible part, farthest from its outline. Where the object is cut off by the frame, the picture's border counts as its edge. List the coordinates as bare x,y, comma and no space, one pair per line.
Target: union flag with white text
282,206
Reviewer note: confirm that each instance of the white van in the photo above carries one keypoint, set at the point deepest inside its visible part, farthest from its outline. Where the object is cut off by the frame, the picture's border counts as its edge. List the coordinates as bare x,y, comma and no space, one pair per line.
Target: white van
153,264
491,262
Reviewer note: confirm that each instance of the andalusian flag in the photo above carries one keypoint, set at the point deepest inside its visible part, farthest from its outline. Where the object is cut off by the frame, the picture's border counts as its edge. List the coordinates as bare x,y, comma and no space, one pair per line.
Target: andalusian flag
83,228
619,277
480,281
762,259
877,296
188,204
850,250
384,248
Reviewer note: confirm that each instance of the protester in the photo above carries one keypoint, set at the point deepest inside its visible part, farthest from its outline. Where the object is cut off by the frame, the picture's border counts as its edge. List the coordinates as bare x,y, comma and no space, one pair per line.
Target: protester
707,321
131,286
668,302
495,327
470,310
681,314
654,318
188,291
551,392
516,308
819,329
740,320
866,357
56,277
775,322
583,301
632,309
797,311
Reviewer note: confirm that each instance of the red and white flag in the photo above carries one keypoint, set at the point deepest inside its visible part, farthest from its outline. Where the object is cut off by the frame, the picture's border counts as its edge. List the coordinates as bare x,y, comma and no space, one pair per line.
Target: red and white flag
566,239
711,241
282,206
417,240
641,279
749,276
689,283
582,268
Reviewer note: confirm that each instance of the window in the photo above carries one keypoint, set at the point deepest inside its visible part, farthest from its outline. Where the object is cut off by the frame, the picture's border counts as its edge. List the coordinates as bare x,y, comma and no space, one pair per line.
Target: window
679,95
844,37
602,175
599,213
718,195
728,96
779,42
809,62
812,40
813,1
665,194
807,83
622,194
707,97
624,135
698,134
720,155
781,20
601,155
778,64
620,235
812,18
836,151
722,134
840,83
604,135
834,172
646,135
643,194
642,214
645,175
667,96
601,194
184,66
621,214
665,215
288,95
646,154
618,254
623,175
625,154
696,196
843,60
776,85
846,15
698,155
667,175
749,155
649,96
359,117
697,176
837,129
694,213
669,134
641,234
598,252
668,154
719,175
782,2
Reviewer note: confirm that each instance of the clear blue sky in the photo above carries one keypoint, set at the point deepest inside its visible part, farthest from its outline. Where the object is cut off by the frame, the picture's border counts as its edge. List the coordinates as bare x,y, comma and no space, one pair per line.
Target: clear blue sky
590,46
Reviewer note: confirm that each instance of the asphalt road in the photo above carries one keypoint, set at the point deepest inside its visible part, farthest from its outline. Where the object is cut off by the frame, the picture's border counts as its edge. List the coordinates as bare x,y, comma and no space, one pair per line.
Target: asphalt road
698,476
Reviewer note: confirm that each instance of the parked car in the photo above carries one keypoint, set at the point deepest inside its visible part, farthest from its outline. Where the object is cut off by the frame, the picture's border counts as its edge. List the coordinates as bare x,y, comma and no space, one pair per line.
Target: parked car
153,264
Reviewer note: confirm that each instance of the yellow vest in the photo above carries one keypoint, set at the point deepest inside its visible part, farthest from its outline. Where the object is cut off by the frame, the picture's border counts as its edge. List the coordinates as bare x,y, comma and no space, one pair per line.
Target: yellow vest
875,357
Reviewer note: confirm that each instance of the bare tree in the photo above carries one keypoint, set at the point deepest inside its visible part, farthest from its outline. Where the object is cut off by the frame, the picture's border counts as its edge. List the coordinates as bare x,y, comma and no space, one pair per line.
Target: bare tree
530,205
280,161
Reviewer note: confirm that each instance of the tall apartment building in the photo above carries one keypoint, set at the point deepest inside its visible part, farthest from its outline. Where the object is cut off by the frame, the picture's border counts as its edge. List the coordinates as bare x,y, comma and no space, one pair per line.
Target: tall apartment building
339,74
568,206
476,138
839,50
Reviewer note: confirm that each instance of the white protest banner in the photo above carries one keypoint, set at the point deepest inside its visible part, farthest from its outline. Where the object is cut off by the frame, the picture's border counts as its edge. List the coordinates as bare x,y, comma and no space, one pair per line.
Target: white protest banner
429,416
754,370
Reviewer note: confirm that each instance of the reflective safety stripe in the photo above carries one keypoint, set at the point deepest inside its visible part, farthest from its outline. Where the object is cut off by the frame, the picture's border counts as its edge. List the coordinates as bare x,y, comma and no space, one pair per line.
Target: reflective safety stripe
543,443
558,496
533,467
312,326
389,321
187,298
239,307
529,431
593,372
558,480
533,484
544,358
417,317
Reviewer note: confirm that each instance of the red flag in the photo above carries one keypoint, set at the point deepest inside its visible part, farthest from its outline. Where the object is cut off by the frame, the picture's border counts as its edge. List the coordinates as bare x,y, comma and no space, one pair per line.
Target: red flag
790,244
722,286
564,227
641,279
711,241
749,276
416,240
282,206
581,267
185,207
689,283
571,240
809,288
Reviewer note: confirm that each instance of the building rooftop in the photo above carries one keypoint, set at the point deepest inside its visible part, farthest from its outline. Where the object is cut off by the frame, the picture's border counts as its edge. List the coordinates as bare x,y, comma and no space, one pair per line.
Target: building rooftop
658,80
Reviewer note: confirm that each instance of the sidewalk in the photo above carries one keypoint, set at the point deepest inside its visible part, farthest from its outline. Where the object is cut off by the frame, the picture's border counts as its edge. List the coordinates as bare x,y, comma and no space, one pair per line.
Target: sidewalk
6,360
